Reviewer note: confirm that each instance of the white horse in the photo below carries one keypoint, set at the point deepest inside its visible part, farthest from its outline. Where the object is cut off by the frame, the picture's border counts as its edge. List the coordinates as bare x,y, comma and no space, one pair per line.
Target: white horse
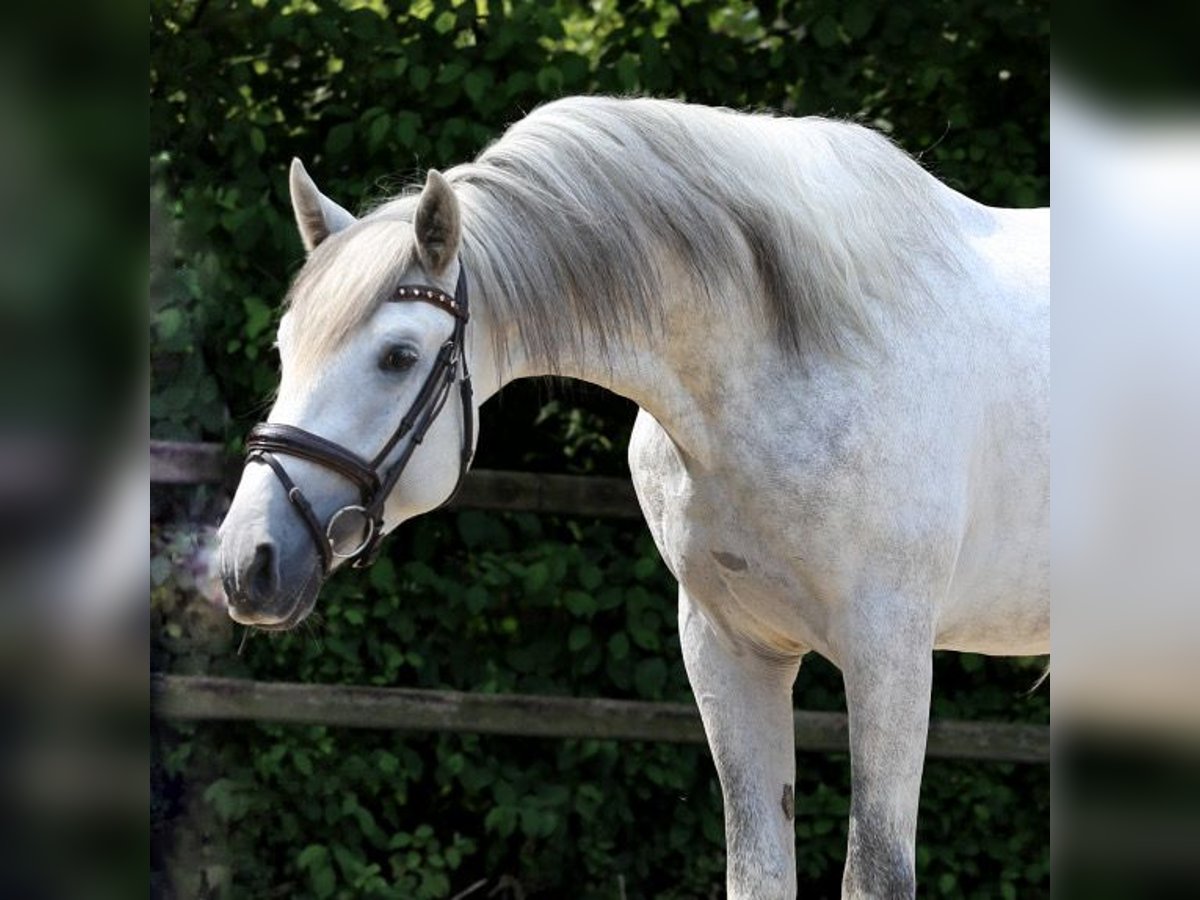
842,367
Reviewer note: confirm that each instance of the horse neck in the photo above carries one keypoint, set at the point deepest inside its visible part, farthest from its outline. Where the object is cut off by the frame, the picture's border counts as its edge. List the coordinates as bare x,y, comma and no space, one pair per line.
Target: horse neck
676,372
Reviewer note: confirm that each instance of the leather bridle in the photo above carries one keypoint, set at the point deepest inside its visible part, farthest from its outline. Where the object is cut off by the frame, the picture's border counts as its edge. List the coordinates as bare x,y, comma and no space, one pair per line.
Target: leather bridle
362,523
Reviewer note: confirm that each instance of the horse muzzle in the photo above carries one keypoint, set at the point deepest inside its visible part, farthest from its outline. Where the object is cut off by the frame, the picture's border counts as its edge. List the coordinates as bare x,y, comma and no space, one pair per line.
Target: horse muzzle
266,586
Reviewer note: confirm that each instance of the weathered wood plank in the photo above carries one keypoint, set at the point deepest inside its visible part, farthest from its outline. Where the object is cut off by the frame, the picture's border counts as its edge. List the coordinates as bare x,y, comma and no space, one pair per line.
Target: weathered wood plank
530,492
181,463
202,698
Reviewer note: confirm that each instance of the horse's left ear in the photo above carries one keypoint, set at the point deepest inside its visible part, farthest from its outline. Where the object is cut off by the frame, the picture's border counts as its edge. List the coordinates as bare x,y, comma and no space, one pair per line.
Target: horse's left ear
317,216
438,224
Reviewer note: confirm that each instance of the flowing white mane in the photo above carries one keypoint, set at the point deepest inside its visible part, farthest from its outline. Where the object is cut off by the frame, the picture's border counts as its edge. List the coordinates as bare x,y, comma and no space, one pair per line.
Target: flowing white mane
569,216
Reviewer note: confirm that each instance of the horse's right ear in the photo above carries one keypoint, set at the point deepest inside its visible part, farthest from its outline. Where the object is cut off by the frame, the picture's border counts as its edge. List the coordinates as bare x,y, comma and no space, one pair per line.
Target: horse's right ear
317,216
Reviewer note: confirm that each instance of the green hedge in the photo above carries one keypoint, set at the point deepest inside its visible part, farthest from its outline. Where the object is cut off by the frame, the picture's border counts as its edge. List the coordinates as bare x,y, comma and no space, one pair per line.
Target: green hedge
370,95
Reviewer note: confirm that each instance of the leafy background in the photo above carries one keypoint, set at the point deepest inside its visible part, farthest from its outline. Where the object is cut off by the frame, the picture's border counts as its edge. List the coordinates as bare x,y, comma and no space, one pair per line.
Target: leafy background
371,94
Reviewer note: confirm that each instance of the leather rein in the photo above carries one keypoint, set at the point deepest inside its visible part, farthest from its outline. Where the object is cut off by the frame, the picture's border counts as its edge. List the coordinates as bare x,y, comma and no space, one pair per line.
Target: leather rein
364,520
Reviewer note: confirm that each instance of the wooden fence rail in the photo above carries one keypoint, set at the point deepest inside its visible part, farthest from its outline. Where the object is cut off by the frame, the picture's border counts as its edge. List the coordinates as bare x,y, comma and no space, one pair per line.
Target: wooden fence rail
196,698
173,462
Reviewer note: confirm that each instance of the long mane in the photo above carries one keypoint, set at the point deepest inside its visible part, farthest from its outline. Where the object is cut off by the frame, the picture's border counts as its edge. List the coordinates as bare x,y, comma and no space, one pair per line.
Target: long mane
571,217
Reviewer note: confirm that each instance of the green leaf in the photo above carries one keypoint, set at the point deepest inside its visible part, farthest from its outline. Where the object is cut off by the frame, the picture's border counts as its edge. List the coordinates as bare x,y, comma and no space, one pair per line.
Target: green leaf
169,322
340,137
650,676
476,84
482,529
230,799
857,18
450,73
618,646
476,598
378,131
579,603
643,628
419,77
324,881
550,81
579,638
501,820
590,577
383,575
314,855
825,31
610,598
387,762
258,316
646,568
406,127
536,577
302,762
627,72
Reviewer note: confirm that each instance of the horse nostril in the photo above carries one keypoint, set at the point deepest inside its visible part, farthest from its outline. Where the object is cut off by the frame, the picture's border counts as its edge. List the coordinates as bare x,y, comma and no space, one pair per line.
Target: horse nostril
229,582
262,581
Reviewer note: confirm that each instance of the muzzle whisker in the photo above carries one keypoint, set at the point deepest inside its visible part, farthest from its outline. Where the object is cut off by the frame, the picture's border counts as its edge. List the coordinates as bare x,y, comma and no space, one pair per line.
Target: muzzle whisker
311,631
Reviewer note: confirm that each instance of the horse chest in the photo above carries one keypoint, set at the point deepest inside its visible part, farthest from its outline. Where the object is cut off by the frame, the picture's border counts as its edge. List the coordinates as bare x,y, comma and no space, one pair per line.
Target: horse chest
723,547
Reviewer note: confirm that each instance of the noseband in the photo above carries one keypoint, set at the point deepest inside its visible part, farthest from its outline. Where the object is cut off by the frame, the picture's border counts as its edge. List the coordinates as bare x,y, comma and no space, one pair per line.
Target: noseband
355,531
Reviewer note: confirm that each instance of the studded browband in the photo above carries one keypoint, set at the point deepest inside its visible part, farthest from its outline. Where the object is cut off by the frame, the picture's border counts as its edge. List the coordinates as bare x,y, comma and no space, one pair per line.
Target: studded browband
436,296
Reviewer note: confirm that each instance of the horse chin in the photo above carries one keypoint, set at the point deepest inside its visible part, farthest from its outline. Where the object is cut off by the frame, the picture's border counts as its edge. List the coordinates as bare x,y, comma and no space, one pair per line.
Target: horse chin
303,603
300,612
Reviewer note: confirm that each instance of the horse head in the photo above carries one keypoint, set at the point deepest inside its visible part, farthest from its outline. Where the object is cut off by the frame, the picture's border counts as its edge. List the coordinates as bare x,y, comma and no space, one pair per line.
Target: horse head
374,420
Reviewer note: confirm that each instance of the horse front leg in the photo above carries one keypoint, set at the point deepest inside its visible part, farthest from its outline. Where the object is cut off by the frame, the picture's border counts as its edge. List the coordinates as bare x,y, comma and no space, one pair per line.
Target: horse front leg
888,672
745,700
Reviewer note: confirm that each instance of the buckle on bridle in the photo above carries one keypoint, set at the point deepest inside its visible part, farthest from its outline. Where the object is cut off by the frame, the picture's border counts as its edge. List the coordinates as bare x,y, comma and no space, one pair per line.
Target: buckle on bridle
369,529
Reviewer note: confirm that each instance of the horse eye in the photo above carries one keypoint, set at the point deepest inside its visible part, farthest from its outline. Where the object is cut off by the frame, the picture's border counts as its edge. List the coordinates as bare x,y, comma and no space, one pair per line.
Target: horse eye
398,359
